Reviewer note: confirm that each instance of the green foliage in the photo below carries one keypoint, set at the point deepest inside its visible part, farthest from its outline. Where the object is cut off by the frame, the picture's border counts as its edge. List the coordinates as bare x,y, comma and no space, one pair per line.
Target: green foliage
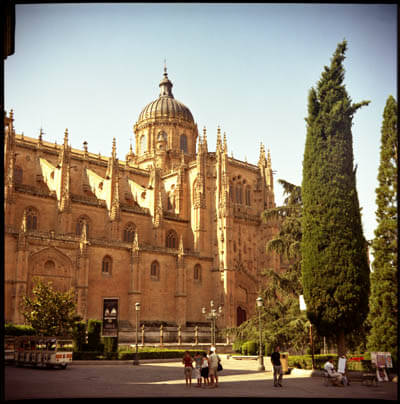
79,335
335,272
110,344
250,348
155,353
49,311
94,335
383,315
282,322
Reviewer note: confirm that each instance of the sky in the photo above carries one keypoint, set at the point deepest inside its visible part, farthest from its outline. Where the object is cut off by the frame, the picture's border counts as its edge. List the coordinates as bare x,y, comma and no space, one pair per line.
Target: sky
246,67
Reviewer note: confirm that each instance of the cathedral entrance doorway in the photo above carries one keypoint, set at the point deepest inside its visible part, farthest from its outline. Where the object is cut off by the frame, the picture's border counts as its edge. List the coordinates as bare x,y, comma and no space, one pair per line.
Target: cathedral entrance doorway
240,316
50,265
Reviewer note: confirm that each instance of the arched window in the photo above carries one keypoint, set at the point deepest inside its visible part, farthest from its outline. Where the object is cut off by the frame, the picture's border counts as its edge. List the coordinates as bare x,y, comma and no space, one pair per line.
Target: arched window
197,273
31,219
183,143
18,173
155,271
143,144
239,193
129,233
171,240
248,195
82,221
49,266
106,265
162,136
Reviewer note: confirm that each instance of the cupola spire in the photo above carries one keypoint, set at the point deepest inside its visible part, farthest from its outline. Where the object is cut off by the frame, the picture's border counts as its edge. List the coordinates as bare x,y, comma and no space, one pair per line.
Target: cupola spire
165,85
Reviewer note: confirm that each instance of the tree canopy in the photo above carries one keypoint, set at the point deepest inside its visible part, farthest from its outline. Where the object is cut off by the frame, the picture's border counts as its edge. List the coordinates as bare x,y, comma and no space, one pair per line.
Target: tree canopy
49,311
335,271
383,315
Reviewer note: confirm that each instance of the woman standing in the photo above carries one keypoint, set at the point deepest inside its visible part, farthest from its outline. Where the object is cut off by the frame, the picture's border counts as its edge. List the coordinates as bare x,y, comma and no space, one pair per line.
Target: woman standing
204,369
187,369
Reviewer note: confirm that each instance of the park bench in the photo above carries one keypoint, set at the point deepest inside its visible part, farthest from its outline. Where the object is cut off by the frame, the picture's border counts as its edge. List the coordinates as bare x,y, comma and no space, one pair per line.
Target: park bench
369,379
328,380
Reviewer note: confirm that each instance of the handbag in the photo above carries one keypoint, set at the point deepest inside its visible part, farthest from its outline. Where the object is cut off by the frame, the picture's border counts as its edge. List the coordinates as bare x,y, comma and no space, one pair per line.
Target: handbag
219,368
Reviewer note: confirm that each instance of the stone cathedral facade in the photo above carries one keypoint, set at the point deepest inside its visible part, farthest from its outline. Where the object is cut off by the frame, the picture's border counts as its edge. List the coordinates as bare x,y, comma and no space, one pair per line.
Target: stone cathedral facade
173,226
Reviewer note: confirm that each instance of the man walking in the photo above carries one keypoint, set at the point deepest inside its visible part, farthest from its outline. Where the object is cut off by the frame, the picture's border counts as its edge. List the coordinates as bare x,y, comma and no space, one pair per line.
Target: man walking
276,363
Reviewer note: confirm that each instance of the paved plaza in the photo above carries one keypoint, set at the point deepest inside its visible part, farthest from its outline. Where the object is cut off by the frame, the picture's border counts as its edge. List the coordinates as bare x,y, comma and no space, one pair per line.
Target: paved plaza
240,378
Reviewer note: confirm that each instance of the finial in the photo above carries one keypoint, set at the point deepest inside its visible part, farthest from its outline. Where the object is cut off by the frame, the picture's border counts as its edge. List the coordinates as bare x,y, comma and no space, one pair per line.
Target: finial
85,143
114,153
40,135
166,85
262,152
218,136
66,136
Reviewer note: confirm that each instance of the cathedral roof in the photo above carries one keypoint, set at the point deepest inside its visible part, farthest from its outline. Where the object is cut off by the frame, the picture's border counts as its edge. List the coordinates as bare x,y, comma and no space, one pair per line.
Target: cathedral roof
165,106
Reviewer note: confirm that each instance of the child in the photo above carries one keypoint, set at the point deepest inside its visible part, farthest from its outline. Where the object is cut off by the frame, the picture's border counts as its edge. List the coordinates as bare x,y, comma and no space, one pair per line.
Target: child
188,366
204,369
196,373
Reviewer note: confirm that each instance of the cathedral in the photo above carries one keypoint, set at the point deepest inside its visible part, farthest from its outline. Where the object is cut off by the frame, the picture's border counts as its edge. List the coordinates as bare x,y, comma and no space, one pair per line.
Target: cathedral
172,227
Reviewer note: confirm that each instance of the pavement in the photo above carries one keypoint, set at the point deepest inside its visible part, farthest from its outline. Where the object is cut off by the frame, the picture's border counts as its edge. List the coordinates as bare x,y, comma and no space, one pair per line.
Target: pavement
164,378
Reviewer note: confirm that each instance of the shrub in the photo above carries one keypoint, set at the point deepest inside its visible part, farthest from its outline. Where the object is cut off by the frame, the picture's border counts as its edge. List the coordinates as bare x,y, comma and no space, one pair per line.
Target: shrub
155,353
237,346
94,337
79,335
110,344
16,330
87,355
249,348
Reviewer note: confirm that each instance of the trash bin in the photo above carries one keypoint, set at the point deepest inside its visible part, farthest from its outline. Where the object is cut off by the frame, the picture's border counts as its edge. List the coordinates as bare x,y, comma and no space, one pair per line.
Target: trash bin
285,362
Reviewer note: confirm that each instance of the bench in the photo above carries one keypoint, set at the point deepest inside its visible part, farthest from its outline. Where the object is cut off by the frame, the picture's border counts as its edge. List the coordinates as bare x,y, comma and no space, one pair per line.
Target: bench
369,379
241,357
328,379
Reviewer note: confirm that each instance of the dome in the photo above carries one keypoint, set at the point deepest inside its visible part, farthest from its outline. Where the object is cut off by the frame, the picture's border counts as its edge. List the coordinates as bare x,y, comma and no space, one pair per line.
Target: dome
165,106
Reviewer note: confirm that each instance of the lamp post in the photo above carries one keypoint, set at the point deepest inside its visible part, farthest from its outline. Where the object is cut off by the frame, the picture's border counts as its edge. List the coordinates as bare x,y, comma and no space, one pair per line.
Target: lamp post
212,316
261,366
137,308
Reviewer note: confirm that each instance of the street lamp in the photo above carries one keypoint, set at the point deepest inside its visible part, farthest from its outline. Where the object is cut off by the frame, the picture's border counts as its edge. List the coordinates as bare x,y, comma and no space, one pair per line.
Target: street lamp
261,366
212,316
137,307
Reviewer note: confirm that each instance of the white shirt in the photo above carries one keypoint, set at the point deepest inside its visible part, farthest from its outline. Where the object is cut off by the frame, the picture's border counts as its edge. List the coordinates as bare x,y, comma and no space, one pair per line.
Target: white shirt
213,360
329,367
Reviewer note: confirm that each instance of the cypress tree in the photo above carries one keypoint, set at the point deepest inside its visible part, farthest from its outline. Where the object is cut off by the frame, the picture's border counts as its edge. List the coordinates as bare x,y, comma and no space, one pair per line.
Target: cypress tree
335,271
383,315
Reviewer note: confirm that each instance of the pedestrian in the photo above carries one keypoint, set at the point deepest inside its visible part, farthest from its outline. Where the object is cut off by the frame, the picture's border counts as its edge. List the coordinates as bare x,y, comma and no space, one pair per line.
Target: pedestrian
187,369
277,365
214,359
197,368
204,369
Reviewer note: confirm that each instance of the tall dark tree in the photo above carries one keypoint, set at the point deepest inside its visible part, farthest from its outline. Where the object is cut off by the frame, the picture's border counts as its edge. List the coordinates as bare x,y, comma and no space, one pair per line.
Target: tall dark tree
335,271
383,315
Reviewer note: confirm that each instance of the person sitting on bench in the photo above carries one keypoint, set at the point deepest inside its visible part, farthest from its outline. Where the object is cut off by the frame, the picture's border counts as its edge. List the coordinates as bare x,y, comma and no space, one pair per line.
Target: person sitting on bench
330,369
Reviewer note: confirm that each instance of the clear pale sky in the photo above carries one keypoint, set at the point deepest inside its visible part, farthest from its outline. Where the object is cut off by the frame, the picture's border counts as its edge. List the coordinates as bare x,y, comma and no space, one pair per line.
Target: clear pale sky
247,67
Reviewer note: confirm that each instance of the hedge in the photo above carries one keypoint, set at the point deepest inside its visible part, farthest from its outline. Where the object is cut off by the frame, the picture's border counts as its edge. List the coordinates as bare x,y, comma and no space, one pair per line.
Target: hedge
17,330
143,353
249,348
305,362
